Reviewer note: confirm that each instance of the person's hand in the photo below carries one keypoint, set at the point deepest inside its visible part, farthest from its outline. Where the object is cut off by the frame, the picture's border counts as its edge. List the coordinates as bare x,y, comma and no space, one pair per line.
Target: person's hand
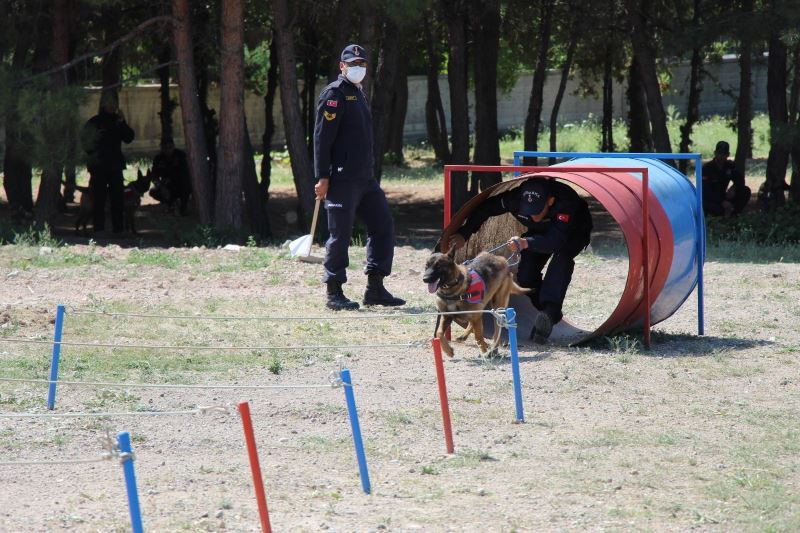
517,244
321,188
456,241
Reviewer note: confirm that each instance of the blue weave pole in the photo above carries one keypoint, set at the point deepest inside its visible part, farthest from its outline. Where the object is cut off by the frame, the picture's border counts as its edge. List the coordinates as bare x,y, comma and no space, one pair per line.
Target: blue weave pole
124,439
51,393
350,397
511,319
698,184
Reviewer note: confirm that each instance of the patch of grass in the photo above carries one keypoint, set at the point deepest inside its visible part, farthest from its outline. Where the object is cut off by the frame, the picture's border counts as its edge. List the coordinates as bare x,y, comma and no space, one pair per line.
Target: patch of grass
275,366
155,258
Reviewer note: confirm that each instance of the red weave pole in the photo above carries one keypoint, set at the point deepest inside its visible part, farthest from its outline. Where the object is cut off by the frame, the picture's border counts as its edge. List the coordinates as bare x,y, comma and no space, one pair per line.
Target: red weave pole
448,191
255,468
646,254
448,430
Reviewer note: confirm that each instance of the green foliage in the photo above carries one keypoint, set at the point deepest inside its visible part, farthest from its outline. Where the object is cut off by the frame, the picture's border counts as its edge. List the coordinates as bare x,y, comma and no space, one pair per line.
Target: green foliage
780,227
35,237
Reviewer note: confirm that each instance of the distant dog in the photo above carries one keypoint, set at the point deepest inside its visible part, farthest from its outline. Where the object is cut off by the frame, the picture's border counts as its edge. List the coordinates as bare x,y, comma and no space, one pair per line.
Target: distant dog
132,199
486,283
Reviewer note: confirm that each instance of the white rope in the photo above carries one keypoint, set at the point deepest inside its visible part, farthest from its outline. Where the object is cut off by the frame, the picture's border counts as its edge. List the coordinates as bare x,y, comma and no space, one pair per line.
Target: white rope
413,344
199,410
162,385
61,462
277,318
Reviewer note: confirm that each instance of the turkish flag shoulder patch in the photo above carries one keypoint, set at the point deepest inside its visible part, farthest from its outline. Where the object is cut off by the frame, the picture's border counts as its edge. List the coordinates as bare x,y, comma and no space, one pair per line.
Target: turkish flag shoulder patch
562,217
332,103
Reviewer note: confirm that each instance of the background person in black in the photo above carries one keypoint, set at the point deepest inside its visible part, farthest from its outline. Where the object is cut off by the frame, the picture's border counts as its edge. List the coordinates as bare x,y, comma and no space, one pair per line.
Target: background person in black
559,227
102,139
343,164
719,199
171,181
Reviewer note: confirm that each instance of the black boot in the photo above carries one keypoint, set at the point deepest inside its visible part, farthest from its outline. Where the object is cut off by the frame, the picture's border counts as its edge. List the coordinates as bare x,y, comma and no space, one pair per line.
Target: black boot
376,293
543,325
336,298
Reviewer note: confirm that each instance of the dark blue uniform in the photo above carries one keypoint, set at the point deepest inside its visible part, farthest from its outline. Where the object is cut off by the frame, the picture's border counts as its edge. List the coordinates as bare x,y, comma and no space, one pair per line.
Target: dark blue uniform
343,152
716,180
562,235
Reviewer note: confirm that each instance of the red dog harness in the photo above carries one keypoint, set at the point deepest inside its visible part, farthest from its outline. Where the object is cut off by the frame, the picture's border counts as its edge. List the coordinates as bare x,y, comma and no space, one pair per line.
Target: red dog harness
476,289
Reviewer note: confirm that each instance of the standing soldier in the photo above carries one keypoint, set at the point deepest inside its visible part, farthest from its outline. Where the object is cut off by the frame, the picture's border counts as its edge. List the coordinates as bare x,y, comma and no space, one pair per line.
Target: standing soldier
343,166
102,139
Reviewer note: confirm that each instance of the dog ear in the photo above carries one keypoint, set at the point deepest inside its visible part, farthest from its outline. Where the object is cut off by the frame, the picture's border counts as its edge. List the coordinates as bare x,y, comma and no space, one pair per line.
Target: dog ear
451,253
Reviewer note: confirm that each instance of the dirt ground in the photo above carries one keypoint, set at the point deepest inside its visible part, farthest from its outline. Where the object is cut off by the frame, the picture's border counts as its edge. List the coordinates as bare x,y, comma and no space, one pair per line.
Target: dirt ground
698,433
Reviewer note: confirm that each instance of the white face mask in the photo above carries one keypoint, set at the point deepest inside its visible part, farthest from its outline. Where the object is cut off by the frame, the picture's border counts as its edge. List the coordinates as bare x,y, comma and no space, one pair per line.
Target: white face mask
355,74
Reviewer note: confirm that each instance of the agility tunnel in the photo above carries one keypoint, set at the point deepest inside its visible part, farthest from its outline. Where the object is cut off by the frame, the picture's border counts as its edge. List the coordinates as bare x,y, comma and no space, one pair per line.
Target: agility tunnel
664,262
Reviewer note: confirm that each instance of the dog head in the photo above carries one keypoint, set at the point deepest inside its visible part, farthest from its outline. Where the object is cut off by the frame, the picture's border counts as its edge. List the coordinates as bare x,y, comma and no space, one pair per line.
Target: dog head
142,183
441,270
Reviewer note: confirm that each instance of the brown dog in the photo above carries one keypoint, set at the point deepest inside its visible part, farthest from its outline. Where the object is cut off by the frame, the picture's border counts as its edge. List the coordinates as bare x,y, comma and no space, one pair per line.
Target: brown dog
132,199
486,283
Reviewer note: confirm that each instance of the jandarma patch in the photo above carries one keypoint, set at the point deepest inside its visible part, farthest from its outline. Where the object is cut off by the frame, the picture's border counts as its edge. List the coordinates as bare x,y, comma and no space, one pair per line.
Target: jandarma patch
329,116
331,204
351,98
332,103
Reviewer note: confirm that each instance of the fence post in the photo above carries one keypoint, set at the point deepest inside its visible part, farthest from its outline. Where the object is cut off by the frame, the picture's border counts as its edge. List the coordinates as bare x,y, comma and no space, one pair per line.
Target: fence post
126,456
255,467
350,398
51,393
448,430
511,319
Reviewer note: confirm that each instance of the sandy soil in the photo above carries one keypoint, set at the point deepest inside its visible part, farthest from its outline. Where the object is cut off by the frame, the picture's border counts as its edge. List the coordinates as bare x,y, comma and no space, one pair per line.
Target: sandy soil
699,433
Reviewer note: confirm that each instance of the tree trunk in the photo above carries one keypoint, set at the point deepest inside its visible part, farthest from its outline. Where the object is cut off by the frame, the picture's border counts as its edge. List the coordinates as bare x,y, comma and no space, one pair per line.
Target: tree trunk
344,16
744,104
368,40
693,105
17,168
290,105
455,18
383,92
112,61
269,122
486,25
638,119
167,103
778,127
50,187
397,117
435,120
640,40
533,120
228,203
562,87
308,95
794,109
255,200
607,128
196,151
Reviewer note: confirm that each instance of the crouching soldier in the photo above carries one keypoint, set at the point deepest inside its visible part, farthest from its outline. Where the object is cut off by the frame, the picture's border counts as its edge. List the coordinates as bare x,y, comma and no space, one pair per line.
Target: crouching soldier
559,227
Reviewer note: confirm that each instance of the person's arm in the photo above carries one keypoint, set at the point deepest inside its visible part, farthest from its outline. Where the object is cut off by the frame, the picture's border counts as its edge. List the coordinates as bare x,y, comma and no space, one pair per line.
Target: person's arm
494,206
329,115
126,133
737,178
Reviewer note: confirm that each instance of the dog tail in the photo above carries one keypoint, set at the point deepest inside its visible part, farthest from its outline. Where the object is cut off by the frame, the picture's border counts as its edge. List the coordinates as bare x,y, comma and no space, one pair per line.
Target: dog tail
516,289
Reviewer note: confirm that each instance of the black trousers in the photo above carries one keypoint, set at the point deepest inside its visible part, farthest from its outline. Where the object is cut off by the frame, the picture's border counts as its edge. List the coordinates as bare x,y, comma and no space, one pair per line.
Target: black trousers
107,183
549,292
346,201
713,206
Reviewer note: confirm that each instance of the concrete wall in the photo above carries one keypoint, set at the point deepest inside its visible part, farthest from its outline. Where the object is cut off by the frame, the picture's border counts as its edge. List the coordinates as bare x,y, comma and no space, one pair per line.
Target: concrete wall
141,104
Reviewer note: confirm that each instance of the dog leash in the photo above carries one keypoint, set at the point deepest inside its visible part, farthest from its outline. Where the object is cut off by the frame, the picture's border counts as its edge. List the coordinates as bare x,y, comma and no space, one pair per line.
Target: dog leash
515,256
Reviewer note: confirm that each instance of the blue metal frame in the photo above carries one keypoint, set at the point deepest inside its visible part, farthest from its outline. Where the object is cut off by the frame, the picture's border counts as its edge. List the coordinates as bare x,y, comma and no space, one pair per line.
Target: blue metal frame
511,318
698,178
51,391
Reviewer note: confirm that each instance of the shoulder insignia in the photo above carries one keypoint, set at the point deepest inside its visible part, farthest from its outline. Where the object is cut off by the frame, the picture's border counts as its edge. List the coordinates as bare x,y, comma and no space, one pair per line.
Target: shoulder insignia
351,98
329,116
562,217
332,103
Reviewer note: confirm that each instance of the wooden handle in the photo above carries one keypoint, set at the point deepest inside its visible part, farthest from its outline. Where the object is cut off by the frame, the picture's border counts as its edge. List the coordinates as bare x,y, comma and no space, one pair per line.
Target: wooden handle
314,219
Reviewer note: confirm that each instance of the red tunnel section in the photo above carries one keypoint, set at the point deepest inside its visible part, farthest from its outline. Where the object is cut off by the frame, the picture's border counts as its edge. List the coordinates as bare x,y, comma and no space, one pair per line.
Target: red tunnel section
621,195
